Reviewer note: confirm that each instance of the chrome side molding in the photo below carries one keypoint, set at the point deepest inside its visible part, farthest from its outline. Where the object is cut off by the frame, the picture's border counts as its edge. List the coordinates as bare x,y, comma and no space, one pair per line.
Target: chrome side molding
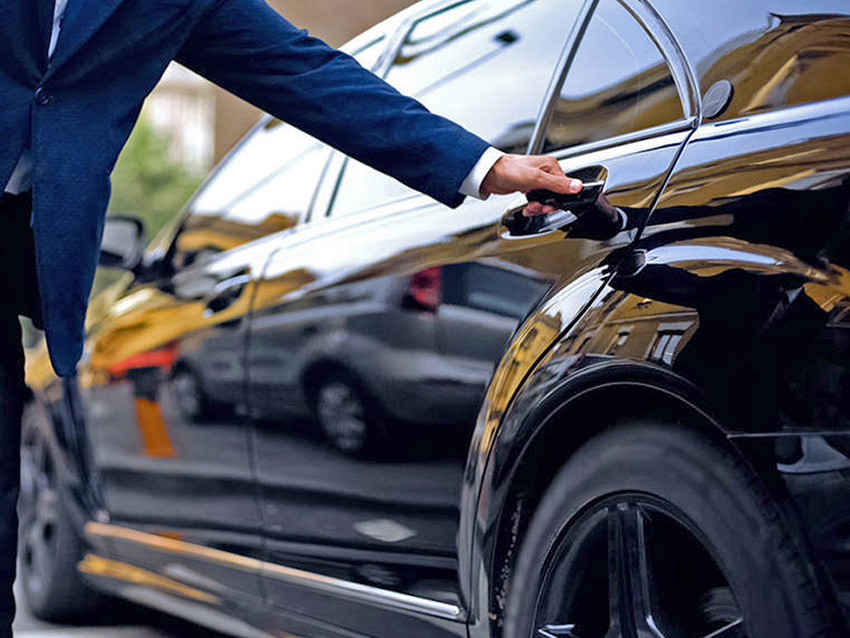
317,582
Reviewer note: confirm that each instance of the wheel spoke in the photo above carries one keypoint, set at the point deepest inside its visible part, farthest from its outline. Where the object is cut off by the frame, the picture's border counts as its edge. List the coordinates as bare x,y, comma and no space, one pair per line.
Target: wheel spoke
729,630
39,510
629,575
616,578
29,484
40,455
640,577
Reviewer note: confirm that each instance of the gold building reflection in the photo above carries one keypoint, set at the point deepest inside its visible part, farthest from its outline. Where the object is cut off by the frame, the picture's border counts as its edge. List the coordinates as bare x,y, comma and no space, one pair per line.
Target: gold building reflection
792,63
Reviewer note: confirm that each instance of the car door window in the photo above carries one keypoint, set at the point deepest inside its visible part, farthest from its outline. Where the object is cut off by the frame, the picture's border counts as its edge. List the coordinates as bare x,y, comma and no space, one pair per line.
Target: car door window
266,187
618,83
282,199
485,64
369,55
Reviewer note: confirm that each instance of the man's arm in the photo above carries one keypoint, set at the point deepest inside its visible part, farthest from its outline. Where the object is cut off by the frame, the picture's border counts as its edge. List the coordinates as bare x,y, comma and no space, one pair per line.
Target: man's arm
249,49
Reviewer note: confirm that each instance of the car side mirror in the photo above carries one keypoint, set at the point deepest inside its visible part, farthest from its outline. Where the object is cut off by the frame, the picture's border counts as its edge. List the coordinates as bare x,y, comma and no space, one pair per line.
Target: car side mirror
123,242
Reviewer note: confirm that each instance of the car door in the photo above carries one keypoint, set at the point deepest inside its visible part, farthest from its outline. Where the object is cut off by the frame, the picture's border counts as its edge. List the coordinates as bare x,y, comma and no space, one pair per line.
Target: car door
163,379
382,323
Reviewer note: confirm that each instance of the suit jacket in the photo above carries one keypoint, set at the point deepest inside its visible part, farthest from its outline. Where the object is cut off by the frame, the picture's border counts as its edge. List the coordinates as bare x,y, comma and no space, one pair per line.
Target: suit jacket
79,108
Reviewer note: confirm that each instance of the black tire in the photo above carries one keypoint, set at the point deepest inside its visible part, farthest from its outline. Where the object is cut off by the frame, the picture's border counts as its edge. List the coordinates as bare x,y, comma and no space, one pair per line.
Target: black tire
680,522
347,415
49,547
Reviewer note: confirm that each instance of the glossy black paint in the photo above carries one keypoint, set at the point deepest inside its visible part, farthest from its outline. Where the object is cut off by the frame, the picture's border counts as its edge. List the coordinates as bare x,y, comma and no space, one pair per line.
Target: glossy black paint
712,286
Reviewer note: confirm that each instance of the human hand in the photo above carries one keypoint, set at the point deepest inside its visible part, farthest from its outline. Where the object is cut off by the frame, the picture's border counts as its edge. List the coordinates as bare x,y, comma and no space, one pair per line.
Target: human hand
524,173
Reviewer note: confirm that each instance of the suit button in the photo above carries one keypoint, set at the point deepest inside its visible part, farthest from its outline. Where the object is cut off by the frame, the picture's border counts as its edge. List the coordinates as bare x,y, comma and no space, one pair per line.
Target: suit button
42,97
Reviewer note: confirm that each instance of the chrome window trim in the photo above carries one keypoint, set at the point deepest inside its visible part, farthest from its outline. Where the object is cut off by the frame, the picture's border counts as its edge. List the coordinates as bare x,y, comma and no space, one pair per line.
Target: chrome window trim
408,204
671,51
317,582
547,109
395,42
661,34
628,138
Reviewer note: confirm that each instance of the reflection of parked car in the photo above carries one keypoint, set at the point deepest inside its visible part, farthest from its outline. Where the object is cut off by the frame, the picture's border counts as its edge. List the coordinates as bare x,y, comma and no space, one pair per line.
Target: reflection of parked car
358,360
650,390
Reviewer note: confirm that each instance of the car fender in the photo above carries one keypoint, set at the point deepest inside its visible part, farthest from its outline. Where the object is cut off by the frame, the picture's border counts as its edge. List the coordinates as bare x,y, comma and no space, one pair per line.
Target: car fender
548,399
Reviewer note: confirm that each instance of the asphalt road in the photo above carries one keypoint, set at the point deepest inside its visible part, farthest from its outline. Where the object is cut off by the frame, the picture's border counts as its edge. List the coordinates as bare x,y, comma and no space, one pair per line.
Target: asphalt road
128,623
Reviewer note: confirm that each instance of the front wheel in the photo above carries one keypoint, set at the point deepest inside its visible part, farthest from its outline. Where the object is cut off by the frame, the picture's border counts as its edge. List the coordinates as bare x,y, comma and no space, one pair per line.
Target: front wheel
654,531
49,545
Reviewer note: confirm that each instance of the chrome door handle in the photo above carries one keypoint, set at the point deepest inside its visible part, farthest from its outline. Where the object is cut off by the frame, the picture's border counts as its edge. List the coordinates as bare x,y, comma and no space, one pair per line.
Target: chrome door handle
515,225
570,211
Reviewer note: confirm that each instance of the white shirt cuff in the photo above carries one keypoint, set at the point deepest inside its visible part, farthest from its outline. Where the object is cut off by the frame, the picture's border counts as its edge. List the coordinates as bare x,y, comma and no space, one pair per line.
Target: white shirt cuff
471,186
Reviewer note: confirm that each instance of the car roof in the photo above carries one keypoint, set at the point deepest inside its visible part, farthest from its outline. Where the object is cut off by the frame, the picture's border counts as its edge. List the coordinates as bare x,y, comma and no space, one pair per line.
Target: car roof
395,22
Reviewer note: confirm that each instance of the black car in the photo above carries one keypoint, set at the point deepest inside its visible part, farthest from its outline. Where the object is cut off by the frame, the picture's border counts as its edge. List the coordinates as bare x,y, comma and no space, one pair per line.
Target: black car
321,404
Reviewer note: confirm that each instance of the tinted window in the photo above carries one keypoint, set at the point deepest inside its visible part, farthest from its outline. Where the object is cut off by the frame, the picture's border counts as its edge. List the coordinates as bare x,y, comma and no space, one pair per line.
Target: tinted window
618,83
487,65
484,64
257,156
265,188
775,52
283,198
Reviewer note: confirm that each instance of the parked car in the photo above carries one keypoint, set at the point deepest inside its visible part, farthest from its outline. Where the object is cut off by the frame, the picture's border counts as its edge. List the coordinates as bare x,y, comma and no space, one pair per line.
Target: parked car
629,418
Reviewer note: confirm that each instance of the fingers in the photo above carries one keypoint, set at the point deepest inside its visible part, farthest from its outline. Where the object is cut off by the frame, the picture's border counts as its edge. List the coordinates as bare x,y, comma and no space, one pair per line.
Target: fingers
518,173
549,176
536,208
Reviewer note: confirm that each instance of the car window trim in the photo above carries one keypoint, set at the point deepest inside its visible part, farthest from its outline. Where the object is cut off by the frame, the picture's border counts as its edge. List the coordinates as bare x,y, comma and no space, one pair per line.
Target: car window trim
662,35
329,183
652,132
547,109
404,205
671,52
326,194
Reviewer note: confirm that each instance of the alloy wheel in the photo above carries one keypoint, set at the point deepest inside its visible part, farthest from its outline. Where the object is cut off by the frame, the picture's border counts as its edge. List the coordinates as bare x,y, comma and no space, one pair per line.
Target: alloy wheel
39,509
632,566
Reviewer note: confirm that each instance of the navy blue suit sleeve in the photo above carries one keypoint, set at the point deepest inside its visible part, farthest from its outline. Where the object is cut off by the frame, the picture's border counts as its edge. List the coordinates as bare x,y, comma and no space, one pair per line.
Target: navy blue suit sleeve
247,48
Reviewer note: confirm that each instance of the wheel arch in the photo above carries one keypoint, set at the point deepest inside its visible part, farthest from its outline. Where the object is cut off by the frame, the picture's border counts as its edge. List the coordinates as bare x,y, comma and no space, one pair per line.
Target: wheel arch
549,419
